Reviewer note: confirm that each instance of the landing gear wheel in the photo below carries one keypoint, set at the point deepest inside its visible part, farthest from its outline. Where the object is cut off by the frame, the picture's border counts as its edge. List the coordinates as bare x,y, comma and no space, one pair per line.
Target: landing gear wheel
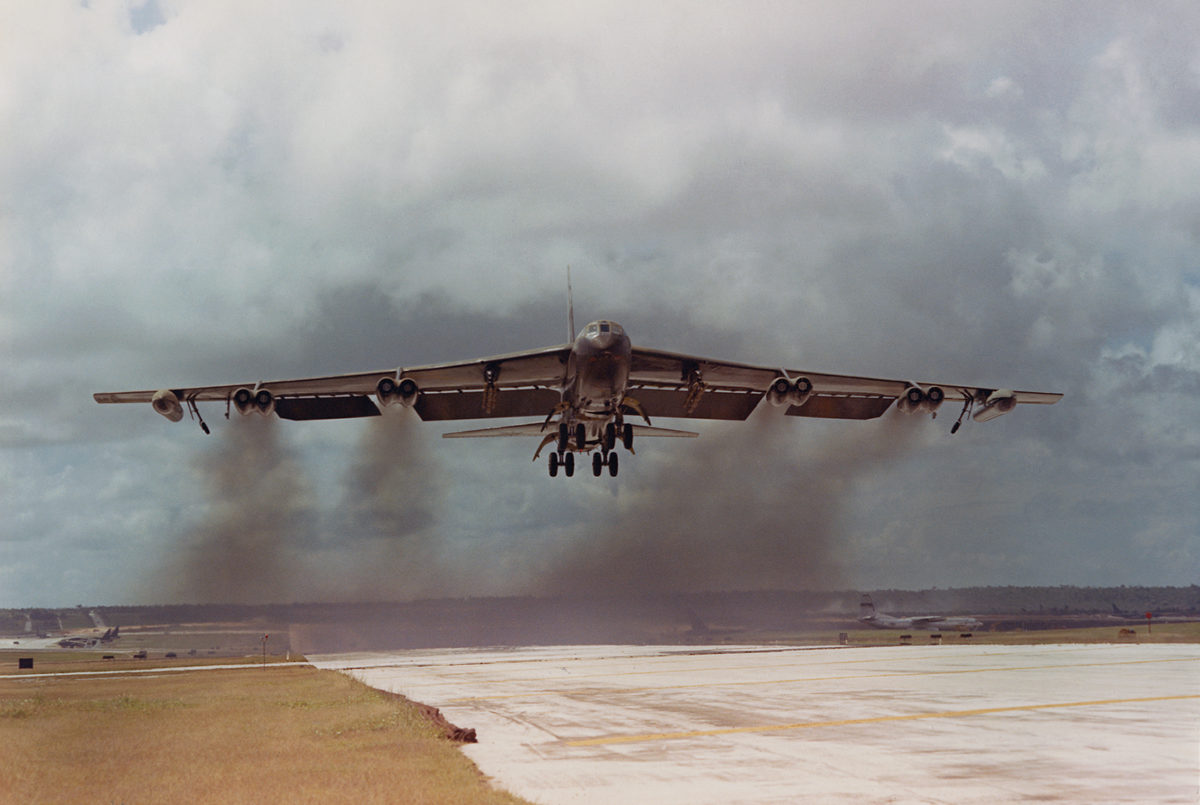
553,464
627,436
612,465
569,464
597,464
562,436
580,436
610,436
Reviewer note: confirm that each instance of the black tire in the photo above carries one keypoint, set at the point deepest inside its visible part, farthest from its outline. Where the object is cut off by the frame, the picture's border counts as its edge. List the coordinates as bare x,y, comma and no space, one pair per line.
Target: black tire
610,436
580,436
562,436
553,465
627,436
612,464
597,464
569,464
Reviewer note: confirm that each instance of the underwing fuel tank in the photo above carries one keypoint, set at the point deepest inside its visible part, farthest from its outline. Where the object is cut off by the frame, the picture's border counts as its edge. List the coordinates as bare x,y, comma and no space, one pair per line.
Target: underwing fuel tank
167,404
998,403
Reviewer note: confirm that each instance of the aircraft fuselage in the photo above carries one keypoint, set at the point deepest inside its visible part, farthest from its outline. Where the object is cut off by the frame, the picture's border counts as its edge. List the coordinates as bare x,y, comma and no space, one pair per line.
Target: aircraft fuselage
598,370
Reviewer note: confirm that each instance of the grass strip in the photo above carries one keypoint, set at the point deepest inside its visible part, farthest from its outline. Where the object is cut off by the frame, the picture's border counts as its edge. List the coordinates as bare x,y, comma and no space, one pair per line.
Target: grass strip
255,735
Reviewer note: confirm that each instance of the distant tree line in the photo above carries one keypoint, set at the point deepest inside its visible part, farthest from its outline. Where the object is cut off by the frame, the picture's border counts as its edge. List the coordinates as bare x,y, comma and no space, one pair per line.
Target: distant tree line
1006,600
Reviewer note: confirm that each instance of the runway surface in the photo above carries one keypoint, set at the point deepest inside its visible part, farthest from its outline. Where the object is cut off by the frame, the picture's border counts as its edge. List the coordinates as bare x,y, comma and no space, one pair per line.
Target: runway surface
761,724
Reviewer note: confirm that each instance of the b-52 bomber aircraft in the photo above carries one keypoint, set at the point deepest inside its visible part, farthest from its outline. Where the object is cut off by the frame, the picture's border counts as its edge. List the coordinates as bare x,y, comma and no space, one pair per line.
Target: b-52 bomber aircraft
869,616
584,392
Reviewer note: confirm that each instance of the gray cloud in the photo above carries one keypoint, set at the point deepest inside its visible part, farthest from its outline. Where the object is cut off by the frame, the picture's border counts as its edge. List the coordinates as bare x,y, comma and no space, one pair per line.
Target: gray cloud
211,194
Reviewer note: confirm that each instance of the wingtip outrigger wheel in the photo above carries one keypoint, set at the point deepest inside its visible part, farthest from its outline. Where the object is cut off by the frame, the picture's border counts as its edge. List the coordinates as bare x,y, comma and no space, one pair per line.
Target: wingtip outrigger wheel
970,400
191,402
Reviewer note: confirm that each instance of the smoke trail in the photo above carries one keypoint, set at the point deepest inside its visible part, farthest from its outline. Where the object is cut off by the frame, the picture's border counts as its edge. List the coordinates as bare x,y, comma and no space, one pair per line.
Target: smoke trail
245,550
382,534
746,512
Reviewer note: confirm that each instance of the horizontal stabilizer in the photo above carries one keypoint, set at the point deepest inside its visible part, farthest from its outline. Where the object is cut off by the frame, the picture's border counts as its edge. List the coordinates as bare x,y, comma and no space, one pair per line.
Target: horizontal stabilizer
528,429
538,429
646,430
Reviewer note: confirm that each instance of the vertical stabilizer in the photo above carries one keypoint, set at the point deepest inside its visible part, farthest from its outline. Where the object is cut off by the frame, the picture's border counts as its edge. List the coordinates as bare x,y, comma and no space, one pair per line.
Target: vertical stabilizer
570,310
866,608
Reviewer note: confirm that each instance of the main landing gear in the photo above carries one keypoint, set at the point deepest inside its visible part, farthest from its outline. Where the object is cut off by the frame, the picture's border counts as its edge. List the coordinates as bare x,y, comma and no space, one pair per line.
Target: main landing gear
600,461
571,439
567,462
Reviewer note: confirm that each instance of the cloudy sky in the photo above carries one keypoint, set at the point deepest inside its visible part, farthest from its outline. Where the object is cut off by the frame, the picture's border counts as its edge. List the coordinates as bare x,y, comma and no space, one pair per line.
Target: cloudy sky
208,192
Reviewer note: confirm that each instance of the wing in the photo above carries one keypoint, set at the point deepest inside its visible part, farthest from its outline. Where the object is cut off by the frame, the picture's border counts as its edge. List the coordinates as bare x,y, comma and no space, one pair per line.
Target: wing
524,383
676,385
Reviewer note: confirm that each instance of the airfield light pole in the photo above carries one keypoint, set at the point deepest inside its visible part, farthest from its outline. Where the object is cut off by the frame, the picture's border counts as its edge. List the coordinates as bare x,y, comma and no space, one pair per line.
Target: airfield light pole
264,642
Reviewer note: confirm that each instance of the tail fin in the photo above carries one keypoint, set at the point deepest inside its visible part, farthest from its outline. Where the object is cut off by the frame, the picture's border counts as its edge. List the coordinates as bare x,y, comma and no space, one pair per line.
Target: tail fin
866,608
570,310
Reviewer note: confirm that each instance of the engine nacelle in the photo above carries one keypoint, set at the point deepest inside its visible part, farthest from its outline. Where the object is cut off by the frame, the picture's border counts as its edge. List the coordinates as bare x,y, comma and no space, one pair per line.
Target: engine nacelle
167,404
934,395
779,391
261,401
917,400
391,392
912,400
998,403
801,390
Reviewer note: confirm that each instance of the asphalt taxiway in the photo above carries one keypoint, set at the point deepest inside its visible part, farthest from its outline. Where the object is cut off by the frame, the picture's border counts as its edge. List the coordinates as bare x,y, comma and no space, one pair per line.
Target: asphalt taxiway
764,724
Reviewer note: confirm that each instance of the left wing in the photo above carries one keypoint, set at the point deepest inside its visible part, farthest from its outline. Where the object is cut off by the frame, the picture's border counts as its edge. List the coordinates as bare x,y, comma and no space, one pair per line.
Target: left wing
524,383
676,385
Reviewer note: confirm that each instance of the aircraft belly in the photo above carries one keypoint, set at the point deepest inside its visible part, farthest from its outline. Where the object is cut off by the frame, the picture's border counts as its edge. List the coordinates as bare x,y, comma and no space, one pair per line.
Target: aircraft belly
602,380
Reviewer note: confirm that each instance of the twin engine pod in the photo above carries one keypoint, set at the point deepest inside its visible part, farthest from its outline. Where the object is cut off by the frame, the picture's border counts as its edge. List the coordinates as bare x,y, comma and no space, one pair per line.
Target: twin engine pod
917,400
259,401
166,402
789,392
392,392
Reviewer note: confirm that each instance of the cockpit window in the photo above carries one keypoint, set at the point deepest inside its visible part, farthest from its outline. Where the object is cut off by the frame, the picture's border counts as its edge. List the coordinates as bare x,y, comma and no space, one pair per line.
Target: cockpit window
598,327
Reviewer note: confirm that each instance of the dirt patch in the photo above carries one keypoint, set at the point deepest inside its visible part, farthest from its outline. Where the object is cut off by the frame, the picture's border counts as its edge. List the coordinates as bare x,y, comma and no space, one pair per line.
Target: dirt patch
461,735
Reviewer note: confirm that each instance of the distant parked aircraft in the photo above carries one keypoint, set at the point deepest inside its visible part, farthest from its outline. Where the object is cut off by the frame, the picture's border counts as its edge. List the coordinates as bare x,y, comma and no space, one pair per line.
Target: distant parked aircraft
869,616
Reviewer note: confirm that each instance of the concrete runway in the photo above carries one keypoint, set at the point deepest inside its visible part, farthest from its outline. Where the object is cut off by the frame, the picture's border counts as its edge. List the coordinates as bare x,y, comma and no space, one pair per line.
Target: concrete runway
761,724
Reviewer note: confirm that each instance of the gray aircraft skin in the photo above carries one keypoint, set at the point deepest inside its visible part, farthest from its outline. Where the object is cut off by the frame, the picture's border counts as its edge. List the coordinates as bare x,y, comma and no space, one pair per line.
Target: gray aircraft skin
583,391
934,623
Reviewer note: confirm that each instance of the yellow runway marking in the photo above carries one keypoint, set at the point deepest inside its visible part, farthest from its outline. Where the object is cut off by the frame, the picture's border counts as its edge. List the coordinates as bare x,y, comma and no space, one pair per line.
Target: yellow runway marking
795,680
669,736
